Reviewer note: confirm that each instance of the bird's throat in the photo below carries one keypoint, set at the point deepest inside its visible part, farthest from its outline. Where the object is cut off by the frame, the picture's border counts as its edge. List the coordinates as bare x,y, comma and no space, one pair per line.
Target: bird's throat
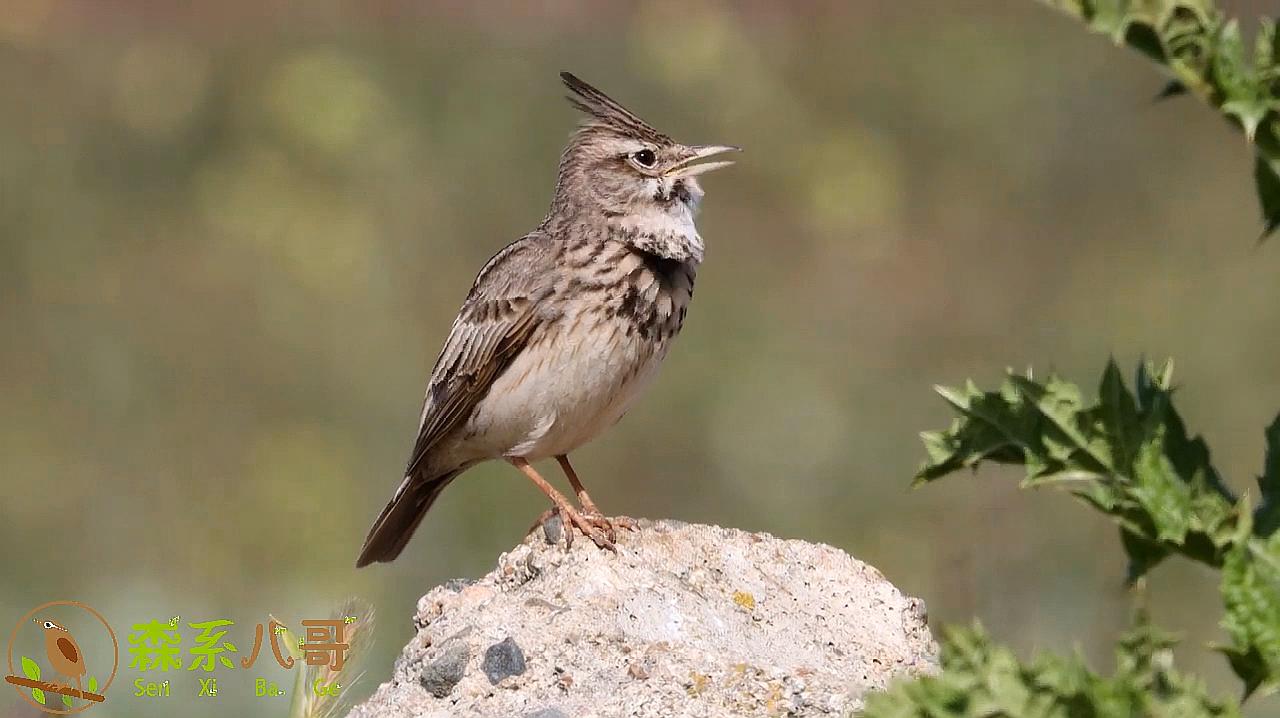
670,235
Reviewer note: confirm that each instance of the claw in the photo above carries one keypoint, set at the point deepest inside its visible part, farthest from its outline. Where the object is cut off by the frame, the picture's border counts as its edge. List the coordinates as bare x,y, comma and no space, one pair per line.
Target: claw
601,522
592,526
566,525
611,524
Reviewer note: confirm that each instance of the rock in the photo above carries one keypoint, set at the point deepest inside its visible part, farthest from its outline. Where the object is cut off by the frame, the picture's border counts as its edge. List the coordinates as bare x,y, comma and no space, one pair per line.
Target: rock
683,620
442,674
503,660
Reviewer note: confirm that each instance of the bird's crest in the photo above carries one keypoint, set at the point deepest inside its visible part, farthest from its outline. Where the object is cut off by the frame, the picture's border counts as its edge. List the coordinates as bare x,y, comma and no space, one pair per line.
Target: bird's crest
606,113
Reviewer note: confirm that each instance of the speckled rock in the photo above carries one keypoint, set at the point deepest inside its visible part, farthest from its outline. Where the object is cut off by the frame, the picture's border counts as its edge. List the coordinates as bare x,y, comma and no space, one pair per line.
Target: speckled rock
503,660
684,620
442,674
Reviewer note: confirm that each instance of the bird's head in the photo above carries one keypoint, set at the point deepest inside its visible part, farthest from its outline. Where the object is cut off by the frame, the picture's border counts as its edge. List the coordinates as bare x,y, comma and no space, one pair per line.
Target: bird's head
49,625
620,166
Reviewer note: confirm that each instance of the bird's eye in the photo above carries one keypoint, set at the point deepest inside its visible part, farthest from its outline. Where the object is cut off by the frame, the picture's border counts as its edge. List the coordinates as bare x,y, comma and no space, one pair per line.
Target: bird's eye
645,158
48,625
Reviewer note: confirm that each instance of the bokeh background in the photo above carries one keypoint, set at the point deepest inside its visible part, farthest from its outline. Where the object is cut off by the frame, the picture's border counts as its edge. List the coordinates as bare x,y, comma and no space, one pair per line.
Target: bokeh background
233,237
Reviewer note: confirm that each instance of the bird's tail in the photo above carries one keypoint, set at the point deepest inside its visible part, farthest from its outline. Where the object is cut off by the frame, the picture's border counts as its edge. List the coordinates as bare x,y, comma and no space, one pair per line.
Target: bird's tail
395,525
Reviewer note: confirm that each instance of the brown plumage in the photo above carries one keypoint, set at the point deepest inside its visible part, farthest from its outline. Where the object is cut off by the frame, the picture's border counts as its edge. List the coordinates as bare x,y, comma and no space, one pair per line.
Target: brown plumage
562,328
63,652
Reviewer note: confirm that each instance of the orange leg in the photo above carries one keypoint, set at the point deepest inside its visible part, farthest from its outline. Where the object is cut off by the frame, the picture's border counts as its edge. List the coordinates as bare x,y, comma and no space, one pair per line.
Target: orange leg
591,527
587,504
583,499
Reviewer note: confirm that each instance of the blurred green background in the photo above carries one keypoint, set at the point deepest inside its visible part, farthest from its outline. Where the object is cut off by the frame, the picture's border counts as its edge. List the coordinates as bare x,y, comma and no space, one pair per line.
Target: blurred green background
233,237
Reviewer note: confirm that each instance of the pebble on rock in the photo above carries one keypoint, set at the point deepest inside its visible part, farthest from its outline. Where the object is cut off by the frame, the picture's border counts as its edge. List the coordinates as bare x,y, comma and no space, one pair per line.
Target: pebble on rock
502,660
441,675
553,530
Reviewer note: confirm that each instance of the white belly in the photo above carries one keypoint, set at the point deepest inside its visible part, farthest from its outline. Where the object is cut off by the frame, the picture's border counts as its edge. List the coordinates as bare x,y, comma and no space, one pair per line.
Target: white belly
562,394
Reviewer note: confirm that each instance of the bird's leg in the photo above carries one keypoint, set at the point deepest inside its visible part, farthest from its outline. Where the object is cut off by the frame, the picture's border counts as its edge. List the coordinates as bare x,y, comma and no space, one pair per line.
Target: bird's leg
583,499
593,513
79,687
566,510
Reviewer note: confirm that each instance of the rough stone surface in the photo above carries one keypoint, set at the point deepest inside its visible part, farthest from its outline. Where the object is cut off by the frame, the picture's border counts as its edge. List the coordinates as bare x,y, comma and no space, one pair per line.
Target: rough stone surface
553,529
684,620
442,674
503,660
547,713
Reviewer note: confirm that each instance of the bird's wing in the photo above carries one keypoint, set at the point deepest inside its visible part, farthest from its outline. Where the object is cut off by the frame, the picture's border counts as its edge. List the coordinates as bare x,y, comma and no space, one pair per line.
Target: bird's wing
501,313
68,650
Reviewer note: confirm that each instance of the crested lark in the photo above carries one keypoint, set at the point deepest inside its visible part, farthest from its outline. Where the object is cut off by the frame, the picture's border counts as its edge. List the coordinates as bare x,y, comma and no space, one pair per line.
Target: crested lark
564,327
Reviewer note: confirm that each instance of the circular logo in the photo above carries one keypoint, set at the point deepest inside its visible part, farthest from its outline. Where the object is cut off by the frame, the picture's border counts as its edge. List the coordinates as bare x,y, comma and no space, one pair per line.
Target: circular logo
52,673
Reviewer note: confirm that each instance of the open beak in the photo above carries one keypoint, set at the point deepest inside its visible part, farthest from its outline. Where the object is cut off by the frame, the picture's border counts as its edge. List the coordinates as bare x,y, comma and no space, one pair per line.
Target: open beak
687,168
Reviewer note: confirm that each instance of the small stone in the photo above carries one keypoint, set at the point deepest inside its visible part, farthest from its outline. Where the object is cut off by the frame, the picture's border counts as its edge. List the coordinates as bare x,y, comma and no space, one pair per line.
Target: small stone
547,713
441,675
553,529
637,671
502,660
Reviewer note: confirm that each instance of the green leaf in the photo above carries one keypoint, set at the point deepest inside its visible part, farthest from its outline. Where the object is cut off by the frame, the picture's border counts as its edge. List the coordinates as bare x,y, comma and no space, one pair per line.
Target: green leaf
1266,54
1126,454
1251,595
1143,554
980,678
1249,112
68,701
31,670
1119,416
1267,180
1060,402
1164,496
93,684
1266,518
1231,73
1205,55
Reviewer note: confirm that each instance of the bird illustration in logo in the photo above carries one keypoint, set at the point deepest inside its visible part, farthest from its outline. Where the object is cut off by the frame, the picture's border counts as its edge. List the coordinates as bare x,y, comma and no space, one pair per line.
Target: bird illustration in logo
64,653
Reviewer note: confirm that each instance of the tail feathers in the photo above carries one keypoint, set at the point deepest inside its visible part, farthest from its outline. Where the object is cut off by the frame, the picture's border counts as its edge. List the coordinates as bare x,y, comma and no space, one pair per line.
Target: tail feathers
397,522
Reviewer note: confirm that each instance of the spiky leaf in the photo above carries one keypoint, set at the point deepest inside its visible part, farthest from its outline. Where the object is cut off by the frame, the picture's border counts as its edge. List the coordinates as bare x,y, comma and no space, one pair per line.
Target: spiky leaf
980,679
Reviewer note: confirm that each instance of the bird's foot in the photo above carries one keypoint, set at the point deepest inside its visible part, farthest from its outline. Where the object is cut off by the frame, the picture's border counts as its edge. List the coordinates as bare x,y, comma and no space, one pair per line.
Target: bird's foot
594,525
609,524
598,528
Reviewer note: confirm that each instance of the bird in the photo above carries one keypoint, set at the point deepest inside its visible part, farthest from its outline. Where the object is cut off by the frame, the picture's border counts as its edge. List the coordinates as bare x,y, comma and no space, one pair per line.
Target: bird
63,651
563,328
